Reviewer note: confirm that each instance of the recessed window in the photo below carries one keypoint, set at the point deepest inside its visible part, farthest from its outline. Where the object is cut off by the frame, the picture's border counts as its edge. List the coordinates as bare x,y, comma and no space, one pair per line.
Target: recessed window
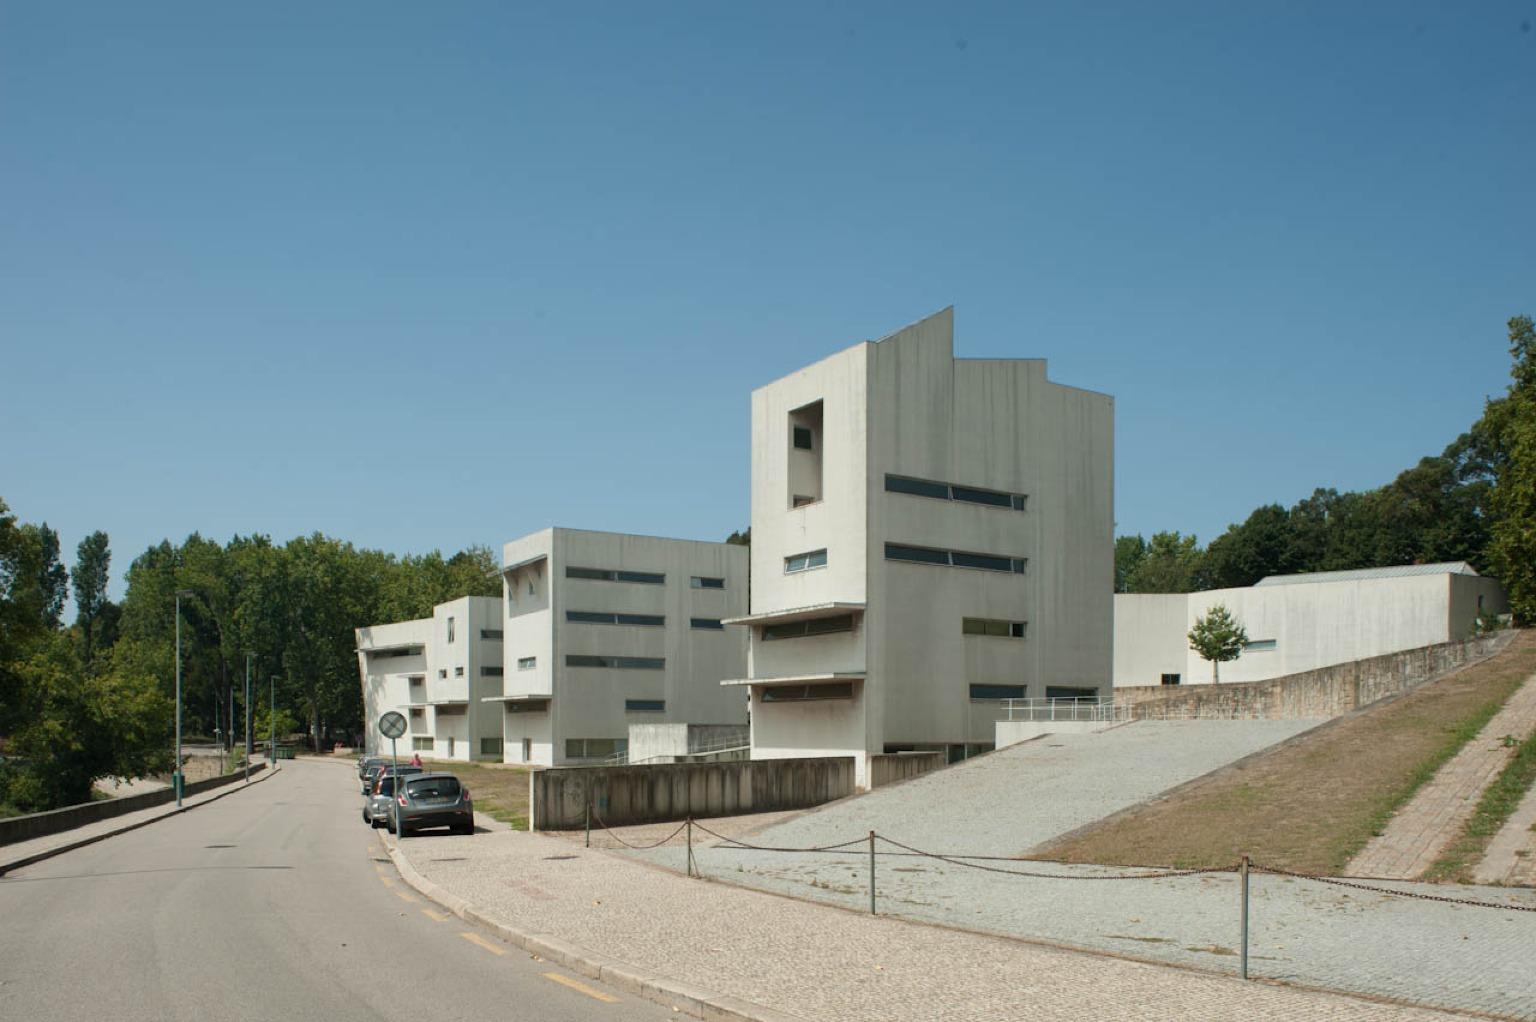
491,672
603,617
706,582
625,663
417,714
993,627
1068,692
805,693
1259,645
804,439
450,629
490,746
997,691
805,561
527,663
491,633
955,491
803,470
645,705
712,623
955,558
422,744
814,626
1170,679
594,748
801,500
651,578
458,672
442,672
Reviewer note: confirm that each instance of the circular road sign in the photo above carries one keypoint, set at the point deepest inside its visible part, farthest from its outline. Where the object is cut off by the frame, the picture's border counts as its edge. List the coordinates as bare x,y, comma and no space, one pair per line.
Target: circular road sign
392,724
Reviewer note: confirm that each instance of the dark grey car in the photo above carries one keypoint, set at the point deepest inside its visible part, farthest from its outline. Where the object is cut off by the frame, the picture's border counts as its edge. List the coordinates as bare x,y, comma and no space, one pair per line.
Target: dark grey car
364,763
432,800
376,803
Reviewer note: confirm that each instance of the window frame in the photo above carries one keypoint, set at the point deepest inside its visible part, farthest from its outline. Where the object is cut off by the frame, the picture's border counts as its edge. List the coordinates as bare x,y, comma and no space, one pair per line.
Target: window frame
807,561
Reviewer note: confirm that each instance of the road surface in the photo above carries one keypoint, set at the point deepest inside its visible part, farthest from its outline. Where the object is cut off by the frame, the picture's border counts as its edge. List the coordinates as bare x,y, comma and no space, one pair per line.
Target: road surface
274,903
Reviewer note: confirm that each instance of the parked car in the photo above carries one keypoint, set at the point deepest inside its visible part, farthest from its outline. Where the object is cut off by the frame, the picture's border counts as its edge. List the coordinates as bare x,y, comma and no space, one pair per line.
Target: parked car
365,762
376,804
374,771
431,800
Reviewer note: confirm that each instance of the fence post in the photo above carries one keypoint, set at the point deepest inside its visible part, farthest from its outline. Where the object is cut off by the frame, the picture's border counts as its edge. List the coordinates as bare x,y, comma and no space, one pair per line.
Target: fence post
1243,963
690,846
871,872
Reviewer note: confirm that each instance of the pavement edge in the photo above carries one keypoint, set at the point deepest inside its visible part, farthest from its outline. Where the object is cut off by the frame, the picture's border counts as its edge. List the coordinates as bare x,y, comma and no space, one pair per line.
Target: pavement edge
632,979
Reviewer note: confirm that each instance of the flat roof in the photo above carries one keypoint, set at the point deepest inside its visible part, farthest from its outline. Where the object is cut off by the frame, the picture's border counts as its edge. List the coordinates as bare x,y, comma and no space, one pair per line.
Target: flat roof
798,679
389,647
1358,574
808,613
523,563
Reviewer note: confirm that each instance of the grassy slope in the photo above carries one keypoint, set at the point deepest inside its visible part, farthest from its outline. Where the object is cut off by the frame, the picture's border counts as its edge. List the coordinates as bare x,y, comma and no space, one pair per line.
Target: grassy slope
1495,807
1312,803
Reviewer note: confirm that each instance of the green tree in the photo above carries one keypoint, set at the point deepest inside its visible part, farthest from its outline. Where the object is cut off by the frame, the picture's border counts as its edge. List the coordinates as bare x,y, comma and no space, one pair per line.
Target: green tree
1514,495
1171,565
93,558
1217,637
1130,551
1263,545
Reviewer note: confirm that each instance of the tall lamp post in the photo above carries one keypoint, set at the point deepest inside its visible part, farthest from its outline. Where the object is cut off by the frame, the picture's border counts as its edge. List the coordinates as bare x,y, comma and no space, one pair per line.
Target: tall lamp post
176,777
248,655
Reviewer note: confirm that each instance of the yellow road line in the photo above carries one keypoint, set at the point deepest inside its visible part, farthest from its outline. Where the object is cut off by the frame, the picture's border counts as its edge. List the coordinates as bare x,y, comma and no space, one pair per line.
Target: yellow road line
403,896
479,941
581,988
436,917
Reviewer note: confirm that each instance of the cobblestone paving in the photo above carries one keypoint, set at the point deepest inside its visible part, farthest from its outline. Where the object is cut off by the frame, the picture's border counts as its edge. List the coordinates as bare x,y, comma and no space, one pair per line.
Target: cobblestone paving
1511,855
1421,830
819,963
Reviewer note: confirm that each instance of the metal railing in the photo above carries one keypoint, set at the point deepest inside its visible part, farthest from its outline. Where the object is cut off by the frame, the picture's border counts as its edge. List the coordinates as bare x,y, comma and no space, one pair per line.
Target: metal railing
732,743
1077,709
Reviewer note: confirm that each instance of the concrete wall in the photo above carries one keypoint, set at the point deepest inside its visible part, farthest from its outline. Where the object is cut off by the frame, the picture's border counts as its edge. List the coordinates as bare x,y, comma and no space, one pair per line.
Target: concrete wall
589,702
820,727
650,742
674,791
56,821
1012,732
1313,625
1326,692
888,768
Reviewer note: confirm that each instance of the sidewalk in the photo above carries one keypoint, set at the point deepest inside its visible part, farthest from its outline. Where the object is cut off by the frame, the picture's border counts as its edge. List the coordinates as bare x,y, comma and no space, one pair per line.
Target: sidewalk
1421,830
22,853
814,962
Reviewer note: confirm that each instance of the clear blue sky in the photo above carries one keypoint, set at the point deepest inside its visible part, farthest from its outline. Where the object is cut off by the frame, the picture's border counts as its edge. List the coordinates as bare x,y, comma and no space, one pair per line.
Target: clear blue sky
424,275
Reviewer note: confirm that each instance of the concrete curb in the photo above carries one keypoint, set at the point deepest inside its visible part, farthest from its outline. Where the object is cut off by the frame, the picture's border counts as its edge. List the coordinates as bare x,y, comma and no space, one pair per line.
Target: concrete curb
632,979
36,857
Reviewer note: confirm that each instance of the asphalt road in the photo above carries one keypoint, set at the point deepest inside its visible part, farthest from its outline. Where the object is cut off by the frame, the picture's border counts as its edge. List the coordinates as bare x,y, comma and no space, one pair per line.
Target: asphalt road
273,903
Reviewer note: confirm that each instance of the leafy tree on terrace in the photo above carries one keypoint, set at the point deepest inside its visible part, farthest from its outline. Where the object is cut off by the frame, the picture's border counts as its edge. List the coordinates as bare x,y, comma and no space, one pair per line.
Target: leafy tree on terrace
92,559
1217,637
1514,496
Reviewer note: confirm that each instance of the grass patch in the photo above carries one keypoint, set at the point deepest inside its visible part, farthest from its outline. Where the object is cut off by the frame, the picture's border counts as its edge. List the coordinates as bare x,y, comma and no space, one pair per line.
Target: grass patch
499,791
1312,803
1495,807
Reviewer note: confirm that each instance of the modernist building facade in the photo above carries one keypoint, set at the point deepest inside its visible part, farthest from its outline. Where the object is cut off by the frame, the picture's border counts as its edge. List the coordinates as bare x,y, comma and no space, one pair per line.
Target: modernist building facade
604,631
435,671
930,535
1302,622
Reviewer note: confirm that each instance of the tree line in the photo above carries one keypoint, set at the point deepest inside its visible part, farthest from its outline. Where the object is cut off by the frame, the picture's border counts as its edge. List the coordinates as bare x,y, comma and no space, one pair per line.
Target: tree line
95,698
1474,502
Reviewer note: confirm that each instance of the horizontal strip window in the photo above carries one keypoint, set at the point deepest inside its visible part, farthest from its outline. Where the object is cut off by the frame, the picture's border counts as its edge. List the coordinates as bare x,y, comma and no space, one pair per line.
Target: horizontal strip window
603,617
1259,645
1068,692
706,582
956,492
386,653
805,561
528,706
490,633
645,705
991,626
713,623
814,626
806,693
594,748
650,578
527,663
625,663
490,672
955,558
490,746
997,691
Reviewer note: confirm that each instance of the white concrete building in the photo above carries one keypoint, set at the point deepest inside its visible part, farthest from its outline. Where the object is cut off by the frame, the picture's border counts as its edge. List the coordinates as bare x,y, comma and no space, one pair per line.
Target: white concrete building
1301,622
435,671
929,535
606,630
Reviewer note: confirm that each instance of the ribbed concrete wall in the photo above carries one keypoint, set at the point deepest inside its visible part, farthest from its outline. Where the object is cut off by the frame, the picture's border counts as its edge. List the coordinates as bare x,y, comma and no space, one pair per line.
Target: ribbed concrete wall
655,793
888,768
1325,692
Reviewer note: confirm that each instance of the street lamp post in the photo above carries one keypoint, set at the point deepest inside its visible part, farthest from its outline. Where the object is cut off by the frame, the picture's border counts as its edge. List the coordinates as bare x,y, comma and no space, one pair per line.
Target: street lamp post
176,777
248,656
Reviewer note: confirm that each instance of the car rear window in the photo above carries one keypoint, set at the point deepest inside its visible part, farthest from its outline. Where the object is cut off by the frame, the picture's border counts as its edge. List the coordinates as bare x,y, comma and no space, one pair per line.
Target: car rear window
434,787
386,785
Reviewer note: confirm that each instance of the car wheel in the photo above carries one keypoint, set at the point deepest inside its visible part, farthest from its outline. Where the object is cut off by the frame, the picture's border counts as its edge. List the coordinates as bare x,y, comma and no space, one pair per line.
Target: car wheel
389,824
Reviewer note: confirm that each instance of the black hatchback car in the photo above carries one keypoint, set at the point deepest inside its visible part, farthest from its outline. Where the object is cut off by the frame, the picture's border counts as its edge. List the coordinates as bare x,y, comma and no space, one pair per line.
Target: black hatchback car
431,800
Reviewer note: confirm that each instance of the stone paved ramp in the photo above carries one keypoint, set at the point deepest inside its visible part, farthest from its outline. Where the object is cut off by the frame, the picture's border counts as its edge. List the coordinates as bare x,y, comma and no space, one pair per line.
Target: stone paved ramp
1422,829
1511,855
1016,798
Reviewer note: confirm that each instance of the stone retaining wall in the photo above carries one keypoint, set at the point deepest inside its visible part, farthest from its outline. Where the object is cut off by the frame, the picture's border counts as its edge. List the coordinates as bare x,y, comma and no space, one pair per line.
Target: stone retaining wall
1322,693
655,793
